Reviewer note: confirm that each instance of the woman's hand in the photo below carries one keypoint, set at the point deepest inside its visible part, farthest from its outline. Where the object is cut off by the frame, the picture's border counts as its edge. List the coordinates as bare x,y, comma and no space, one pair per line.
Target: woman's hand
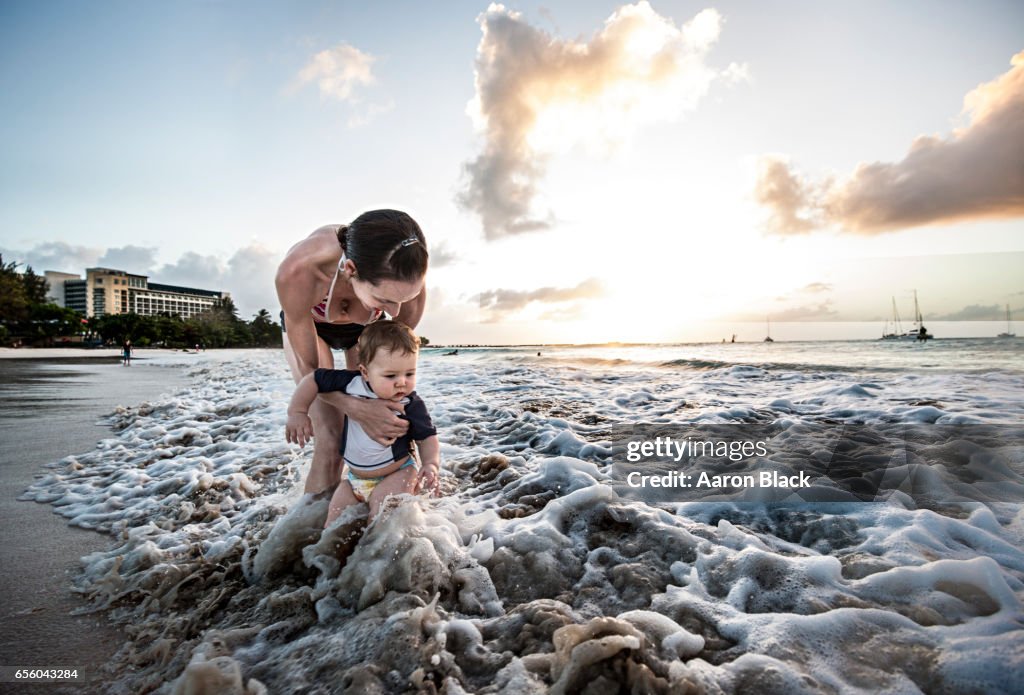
298,429
379,419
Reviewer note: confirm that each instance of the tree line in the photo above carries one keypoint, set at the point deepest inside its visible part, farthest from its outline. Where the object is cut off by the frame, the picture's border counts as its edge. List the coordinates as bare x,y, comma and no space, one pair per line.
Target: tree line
28,317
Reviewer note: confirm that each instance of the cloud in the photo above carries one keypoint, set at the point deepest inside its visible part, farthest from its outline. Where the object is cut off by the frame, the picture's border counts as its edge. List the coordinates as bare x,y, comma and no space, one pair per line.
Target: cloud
250,278
572,312
537,95
192,270
974,312
441,255
501,302
134,259
791,200
248,275
809,311
813,288
976,172
63,257
54,255
368,113
338,72
810,288
821,311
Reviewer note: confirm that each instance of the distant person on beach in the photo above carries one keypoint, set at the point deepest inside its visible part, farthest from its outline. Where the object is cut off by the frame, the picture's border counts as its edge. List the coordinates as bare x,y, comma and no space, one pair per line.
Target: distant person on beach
126,353
387,373
331,285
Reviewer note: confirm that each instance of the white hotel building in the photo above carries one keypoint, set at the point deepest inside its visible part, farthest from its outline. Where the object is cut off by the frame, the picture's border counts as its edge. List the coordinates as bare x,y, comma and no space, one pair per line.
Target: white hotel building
110,291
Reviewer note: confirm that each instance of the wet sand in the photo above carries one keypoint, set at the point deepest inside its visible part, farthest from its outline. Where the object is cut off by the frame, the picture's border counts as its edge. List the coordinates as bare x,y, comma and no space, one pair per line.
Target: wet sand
50,409
68,354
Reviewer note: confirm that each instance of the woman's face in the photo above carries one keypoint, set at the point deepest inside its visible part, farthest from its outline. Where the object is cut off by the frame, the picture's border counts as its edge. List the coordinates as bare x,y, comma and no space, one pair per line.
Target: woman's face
386,295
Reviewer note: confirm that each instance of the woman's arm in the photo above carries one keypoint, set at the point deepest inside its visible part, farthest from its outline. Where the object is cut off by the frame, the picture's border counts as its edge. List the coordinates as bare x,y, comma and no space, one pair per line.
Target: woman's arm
296,289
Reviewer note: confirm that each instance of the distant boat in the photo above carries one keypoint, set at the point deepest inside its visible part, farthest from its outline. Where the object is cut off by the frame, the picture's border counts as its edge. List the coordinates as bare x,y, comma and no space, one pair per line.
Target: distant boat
1009,333
768,325
919,332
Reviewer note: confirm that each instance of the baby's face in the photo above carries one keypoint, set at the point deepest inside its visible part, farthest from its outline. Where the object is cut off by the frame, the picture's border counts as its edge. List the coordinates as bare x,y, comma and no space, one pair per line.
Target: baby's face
391,375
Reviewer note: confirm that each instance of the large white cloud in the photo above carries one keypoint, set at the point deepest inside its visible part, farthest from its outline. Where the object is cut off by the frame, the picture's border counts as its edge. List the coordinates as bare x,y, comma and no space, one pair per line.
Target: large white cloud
537,94
976,172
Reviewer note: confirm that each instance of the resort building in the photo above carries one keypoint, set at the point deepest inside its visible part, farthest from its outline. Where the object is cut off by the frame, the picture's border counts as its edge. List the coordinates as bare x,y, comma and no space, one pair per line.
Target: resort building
111,291
56,287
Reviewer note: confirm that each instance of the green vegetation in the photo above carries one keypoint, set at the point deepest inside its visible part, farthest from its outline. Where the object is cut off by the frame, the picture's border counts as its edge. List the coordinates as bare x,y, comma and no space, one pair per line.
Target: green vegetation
27,318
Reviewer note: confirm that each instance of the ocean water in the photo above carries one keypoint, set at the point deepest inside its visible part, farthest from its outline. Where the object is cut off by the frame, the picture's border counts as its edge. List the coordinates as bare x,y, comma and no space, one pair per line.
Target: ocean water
539,570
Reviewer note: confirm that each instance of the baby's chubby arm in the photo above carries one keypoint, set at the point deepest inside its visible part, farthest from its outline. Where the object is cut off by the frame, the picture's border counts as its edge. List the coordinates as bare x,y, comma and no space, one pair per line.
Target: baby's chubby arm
299,428
430,459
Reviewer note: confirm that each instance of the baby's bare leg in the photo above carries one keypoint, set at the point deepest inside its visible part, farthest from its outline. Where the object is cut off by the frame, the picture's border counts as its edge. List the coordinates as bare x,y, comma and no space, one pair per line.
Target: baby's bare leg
342,499
398,483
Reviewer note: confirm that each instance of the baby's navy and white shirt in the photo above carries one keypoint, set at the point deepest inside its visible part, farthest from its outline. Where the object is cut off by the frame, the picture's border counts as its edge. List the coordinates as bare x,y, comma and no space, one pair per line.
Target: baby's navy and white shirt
360,452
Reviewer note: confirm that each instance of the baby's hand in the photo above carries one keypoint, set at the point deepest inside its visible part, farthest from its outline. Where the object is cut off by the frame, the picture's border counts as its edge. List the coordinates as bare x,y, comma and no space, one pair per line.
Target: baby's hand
430,481
299,429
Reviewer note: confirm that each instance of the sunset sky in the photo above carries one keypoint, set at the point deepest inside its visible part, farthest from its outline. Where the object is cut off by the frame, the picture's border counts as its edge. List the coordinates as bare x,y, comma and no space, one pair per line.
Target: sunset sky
583,171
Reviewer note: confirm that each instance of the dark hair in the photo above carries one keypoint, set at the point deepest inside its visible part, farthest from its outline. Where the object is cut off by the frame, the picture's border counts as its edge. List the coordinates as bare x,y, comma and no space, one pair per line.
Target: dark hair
380,244
393,336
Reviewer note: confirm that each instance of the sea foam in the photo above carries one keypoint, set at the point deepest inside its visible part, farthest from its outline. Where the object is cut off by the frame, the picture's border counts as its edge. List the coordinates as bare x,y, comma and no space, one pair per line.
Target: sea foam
532,573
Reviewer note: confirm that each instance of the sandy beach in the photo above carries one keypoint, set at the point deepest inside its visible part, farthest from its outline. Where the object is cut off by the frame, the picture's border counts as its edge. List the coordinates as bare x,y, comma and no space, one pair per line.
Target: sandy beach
50,407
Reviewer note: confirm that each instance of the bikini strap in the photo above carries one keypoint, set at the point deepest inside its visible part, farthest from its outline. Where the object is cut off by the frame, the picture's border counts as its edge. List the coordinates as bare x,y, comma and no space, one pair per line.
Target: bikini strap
330,292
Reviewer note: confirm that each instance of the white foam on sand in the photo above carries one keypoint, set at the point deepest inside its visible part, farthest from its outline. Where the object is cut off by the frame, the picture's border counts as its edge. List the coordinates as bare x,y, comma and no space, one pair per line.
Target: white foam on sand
532,574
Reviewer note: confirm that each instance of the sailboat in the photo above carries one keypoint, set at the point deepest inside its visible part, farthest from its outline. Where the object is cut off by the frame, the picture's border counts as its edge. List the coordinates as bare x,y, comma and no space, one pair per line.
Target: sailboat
1009,333
768,330
919,332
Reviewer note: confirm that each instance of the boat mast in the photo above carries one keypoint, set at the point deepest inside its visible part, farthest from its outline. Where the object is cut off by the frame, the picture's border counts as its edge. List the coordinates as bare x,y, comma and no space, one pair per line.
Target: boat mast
898,330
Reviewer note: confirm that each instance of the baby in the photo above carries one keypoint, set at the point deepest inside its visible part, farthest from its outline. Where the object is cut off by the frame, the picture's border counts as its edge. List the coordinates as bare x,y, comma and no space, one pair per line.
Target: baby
372,471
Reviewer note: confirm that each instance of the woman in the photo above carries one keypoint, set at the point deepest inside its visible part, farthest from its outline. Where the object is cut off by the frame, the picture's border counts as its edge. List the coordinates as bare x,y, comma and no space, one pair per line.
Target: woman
330,286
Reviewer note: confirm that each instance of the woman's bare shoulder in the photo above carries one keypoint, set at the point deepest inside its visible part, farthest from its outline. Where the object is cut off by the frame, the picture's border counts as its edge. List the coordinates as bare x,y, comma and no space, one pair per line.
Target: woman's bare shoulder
319,248
323,242
302,267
